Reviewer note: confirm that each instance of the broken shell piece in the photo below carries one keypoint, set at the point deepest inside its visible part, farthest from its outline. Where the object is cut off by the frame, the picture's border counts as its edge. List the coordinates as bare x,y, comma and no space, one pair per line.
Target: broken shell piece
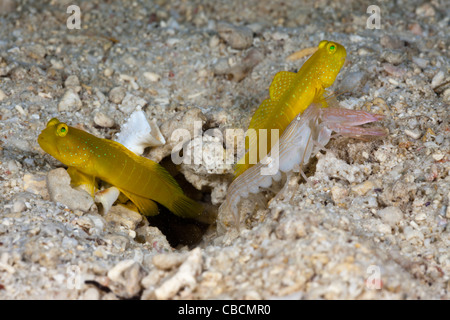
107,198
137,133
302,53
240,70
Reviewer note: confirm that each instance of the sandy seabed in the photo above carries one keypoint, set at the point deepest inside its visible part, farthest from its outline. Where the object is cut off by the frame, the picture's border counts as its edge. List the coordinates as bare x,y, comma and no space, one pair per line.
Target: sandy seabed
373,225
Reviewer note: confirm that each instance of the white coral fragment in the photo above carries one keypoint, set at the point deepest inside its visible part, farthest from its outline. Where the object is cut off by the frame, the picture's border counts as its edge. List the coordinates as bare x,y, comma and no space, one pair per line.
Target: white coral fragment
186,276
138,133
107,198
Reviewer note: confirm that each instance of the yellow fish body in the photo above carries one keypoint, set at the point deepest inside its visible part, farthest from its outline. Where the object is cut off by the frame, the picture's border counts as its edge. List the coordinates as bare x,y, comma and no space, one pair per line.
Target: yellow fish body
290,94
142,180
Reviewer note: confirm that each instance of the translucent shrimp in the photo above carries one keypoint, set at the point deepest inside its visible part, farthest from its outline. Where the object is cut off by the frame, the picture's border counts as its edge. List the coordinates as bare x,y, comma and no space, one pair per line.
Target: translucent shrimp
302,139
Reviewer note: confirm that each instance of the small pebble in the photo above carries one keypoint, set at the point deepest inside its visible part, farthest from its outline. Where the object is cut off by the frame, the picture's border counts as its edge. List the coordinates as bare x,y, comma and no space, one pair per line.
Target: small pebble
352,81
397,72
256,27
237,37
415,134
437,79
221,66
36,51
390,42
214,41
7,6
439,139
438,156
168,261
117,94
151,76
410,233
422,63
186,276
19,206
425,10
152,278
362,188
18,73
126,77
101,97
123,216
69,242
108,72
393,56
446,95
363,51
277,36
172,41
420,217
130,79
416,29
70,101
91,294
3,95
130,102
102,120
58,183
19,109
211,278
384,228
57,64
412,123
241,69
126,276
252,295
393,81
338,193
72,81
391,215
36,184
92,222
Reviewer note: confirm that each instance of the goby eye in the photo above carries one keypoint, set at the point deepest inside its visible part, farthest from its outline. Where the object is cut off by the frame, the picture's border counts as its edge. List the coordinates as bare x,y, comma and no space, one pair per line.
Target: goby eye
62,129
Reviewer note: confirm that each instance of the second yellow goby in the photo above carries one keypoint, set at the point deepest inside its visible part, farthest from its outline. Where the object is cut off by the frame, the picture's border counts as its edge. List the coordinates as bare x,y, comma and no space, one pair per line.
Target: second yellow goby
142,180
290,94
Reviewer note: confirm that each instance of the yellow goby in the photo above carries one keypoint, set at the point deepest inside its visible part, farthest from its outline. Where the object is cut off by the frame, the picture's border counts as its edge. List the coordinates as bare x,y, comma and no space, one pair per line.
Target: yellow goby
142,180
290,94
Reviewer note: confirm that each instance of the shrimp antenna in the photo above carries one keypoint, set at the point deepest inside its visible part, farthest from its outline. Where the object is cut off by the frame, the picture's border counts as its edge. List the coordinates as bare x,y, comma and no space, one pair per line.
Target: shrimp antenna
331,98
335,94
